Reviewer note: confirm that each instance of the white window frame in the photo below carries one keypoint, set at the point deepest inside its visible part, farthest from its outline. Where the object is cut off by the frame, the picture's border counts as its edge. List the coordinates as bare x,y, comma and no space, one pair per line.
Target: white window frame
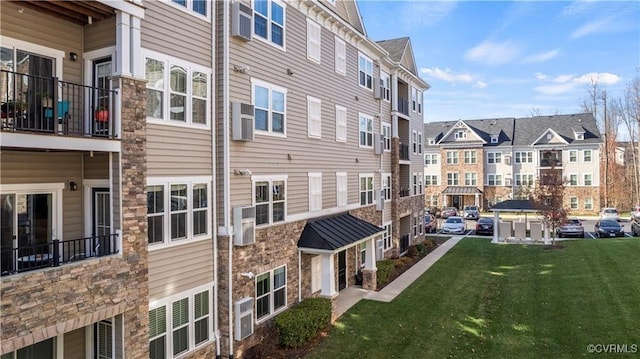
577,177
460,134
585,181
340,56
316,273
387,186
341,189
341,123
314,41
431,159
190,182
164,88
523,157
386,134
315,191
385,86
368,191
584,156
314,117
416,188
419,142
270,180
470,179
271,88
414,99
452,157
495,179
272,309
387,236
494,139
431,180
453,179
573,156
188,8
588,203
574,204
414,141
433,200
367,72
368,134
419,101
470,157
523,179
269,22
494,157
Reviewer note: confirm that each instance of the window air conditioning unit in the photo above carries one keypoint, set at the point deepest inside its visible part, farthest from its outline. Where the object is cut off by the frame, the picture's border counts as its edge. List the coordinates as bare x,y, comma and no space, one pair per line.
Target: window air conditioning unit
241,21
242,121
244,225
244,318
378,143
380,200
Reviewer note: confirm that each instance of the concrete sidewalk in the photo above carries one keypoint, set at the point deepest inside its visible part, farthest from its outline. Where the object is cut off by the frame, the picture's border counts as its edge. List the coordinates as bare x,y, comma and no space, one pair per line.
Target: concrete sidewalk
352,295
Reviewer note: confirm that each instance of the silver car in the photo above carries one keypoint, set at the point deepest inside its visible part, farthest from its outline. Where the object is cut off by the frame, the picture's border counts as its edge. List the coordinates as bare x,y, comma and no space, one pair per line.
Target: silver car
454,224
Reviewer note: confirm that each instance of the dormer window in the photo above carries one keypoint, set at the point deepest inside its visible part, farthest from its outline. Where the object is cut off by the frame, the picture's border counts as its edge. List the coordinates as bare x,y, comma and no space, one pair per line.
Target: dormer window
494,139
460,134
549,136
432,141
579,136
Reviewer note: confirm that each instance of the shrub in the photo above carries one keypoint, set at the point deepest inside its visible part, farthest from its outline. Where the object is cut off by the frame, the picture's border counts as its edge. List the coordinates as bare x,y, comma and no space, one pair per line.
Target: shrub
385,268
412,251
430,244
303,322
422,249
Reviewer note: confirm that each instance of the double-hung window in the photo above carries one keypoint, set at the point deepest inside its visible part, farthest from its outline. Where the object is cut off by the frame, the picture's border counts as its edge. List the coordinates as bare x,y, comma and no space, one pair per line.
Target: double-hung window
386,134
268,21
177,91
366,189
588,203
431,159
494,157
341,188
470,179
366,130
586,156
365,71
414,141
573,203
523,179
314,46
573,179
452,157
494,179
419,95
200,7
419,142
431,180
314,106
414,99
386,237
385,84
269,199
315,191
573,156
524,157
588,179
340,56
271,292
452,178
178,210
470,157
341,123
270,107
386,186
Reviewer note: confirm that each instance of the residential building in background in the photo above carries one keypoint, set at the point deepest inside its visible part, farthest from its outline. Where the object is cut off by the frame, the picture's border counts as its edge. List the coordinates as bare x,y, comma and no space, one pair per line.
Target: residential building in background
174,174
486,161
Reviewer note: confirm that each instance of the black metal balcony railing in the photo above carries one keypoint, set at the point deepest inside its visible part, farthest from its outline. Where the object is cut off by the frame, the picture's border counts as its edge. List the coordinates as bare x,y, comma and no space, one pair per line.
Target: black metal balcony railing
403,152
404,243
404,193
550,163
47,105
403,106
56,253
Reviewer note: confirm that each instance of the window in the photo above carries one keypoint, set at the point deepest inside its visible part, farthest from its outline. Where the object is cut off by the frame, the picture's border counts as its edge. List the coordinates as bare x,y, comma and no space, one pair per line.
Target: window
452,157
314,36
414,141
588,203
316,273
314,106
268,21
180,323
579,136
431,141
452,178
385,84
573,203
386,186
341,123
586,156
365,72
573,156
573,179
494,139
270,199
419,101
196,6
315,191
270,106
177,211
366,131
431,180
470,157
524,179
341,188
494,180
414,99
420,183
494,157
431,159
386,134
416,188
177,91
419,142
386,237
362,248
341,56
271,292
524,157
470,179
366,189
588,179
460,134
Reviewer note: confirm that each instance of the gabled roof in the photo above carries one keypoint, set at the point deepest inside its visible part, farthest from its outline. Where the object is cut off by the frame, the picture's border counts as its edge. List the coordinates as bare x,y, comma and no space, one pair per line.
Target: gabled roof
528,130
484,128
555,135
400,51
460,124
336,232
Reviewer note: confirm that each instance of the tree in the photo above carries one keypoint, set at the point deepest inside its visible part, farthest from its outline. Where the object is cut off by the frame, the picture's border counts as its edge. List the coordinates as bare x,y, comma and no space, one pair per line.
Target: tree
547,196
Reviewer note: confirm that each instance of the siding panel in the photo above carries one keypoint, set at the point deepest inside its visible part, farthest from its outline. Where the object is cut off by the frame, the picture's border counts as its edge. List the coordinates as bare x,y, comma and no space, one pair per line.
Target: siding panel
171,149
74,345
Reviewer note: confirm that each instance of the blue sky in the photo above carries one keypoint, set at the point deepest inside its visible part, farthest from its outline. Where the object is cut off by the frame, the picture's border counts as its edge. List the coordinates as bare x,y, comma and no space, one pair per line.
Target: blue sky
486,59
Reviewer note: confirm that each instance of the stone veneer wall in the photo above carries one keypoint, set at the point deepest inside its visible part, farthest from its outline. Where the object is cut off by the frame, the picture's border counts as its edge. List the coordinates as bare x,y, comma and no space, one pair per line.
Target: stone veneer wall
43,304
490,193
581,193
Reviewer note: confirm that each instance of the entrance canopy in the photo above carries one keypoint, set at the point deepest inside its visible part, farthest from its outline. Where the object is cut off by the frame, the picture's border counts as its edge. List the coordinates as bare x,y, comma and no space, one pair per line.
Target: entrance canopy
461,190
514,205
333,233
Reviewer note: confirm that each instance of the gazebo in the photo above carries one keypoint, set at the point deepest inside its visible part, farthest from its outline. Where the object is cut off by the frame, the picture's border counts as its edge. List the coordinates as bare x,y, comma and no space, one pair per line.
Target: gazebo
513,205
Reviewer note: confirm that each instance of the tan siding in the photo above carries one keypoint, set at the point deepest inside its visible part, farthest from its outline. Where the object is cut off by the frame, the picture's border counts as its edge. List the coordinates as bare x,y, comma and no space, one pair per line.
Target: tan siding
115,189
179,268
96,167
100,34
74,344
178,151
171,31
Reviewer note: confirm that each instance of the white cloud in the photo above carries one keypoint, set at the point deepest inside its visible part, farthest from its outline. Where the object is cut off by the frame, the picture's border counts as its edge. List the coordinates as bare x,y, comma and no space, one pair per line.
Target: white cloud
563,78
602,78
593,27
541,57
540,76
566,83
418,13
480,85
577,8
493,53
446,75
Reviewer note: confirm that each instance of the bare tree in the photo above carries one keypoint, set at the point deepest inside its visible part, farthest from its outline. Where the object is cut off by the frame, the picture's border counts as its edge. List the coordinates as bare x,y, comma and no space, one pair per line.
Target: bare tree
535,112
547,196
630,116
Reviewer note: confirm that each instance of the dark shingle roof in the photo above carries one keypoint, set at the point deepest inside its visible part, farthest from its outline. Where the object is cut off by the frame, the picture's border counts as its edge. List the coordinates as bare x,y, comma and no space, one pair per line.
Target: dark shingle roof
524,205
336,232
395,47
485,128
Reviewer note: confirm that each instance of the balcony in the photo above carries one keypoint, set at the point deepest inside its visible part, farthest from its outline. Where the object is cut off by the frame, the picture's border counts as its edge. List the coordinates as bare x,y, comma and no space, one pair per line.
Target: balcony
403,106
55,253
404,152
82,111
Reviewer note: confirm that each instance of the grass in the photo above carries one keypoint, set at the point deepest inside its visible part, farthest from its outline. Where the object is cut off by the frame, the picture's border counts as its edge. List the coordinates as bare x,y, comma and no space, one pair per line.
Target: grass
484,300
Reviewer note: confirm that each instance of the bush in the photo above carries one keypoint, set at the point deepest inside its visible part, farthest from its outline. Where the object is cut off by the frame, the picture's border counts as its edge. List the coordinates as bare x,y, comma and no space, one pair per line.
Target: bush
412,251
303,322
430,244
385,269
422,249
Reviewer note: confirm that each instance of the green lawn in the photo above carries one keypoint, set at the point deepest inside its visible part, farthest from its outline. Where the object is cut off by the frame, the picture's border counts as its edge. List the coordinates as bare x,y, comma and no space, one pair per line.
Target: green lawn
484,300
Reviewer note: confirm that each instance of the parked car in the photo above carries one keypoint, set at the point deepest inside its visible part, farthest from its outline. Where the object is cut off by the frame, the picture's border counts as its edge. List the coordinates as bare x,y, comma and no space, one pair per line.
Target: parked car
635,212
434,211
572,227
454,224
470,212
610,213
484,226
448,212
608,228
430,224
635,227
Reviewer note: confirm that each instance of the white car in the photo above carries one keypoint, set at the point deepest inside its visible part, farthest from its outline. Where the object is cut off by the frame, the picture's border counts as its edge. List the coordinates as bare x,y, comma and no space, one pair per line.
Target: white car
609,213
454,224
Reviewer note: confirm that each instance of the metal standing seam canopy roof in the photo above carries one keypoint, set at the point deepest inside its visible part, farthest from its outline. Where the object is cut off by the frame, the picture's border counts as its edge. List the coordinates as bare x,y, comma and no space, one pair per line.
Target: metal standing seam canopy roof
514,205
461,190
336,232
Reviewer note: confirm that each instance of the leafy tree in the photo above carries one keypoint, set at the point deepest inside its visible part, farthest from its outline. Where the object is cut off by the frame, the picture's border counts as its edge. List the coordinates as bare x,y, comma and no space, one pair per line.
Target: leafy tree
547,196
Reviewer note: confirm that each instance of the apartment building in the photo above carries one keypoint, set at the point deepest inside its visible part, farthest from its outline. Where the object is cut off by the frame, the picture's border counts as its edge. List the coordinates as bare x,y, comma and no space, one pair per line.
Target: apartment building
486,161
176,173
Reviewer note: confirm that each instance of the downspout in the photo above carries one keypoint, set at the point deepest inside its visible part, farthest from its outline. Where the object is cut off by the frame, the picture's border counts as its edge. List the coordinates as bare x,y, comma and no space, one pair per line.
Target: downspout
225,166
300,276
214,194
